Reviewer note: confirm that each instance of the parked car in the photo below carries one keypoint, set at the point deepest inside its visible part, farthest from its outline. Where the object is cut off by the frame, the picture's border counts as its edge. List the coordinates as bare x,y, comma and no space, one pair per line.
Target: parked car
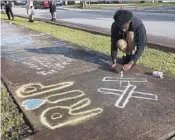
59,3
23,2
41,4
20,2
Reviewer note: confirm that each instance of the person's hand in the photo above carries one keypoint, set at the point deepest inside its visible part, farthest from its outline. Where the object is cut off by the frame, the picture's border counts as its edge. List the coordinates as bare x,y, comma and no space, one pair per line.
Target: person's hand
127,67
113,66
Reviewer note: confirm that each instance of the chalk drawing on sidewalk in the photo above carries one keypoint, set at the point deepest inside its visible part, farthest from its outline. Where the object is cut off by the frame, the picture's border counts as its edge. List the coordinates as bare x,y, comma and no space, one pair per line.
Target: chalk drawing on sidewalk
32,104
48,65
126,92
17,39
35,89
65,108
76,114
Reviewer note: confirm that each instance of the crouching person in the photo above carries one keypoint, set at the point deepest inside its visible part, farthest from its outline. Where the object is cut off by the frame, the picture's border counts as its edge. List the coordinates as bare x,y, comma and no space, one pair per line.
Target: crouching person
128,34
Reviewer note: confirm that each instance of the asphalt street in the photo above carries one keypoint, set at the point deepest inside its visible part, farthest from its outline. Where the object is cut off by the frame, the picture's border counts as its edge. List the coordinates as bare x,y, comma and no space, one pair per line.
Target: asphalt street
158,21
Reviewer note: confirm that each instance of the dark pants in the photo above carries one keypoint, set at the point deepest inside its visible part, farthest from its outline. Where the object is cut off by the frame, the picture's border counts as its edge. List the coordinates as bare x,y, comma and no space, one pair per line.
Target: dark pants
53,14
9,13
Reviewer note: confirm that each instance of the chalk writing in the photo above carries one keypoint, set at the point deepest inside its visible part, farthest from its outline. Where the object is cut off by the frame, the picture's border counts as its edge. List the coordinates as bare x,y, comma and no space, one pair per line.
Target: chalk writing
68,108
48,65
34,89
75,112
60,97
128,92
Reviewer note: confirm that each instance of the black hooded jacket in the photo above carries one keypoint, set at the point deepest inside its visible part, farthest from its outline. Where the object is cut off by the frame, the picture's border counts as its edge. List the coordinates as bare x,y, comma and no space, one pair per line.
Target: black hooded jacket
139,30
8,5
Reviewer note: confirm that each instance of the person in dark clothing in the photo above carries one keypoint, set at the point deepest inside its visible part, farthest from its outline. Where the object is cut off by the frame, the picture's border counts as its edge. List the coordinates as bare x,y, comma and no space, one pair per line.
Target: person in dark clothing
52,6
128,34
8,9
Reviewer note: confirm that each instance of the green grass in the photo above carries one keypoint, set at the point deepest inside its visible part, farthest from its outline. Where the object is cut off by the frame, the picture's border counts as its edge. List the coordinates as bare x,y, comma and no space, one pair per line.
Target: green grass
102,6
154,4
13,126
151,58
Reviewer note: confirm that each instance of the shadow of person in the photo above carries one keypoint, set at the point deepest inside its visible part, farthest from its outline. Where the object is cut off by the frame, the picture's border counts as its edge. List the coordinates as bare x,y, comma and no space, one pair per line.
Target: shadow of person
97,58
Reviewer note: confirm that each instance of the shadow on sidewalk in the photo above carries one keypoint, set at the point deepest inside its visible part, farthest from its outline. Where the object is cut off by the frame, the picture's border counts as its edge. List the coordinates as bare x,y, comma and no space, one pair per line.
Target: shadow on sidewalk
84,54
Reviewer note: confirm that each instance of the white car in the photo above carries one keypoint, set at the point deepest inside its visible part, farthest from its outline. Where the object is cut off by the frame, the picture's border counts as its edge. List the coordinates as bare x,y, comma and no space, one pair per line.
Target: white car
59,3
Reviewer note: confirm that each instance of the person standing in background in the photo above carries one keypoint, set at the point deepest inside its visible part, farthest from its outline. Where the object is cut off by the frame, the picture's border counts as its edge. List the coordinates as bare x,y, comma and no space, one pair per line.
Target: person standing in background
30,10
31,13
8,9
52,5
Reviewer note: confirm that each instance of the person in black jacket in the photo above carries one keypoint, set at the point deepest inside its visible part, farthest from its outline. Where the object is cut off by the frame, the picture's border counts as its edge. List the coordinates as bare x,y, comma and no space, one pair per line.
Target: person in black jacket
52,6
8,9
128,34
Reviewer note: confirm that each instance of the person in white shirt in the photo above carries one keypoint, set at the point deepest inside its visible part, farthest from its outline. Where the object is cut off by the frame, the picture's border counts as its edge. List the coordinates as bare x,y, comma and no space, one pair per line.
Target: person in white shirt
31,13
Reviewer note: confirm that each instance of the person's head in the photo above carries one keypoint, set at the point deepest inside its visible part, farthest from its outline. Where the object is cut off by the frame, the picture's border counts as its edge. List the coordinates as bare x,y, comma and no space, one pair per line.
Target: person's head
123,19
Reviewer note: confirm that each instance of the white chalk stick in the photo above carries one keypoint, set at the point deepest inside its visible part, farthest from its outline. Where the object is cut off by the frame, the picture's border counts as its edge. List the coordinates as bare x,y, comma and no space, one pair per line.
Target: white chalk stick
121,74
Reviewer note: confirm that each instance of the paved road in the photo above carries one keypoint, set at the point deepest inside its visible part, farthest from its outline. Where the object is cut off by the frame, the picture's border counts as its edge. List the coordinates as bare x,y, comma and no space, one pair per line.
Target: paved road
158,22
68,93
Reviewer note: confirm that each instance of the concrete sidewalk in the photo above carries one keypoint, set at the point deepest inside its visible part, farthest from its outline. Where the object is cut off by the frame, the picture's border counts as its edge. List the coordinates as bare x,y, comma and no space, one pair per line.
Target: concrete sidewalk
68,93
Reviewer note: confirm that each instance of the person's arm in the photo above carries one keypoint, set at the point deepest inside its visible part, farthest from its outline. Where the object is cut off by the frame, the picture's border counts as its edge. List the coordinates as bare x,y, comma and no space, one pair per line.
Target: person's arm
141,42
114,39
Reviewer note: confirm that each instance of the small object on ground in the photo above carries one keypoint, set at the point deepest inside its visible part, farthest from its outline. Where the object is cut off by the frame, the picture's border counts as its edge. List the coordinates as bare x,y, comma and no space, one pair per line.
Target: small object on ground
157,74
121,74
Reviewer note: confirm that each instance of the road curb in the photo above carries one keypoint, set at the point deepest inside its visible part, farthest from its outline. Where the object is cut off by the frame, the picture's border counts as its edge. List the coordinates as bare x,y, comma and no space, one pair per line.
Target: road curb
156,42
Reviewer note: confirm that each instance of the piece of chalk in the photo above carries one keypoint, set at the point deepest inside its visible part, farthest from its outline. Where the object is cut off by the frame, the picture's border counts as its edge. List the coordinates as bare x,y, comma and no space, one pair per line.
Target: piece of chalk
121,74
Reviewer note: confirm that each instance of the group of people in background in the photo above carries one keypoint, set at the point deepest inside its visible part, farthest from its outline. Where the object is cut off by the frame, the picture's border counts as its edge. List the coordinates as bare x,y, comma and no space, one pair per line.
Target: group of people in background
30,10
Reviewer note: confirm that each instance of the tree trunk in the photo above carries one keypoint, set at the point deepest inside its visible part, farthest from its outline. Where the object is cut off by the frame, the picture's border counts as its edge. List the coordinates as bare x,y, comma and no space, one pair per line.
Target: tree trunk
65,2
83,4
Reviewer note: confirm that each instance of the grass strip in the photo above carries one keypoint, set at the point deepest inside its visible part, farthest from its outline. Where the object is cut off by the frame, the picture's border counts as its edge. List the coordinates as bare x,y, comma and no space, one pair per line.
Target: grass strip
13,126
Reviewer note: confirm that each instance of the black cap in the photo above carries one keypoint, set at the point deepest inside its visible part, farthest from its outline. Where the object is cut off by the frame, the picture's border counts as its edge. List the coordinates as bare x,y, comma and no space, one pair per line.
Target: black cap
122,16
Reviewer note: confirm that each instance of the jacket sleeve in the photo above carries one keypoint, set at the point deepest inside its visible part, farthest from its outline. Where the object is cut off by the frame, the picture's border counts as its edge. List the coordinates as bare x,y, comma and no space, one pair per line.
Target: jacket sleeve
114,38
141,42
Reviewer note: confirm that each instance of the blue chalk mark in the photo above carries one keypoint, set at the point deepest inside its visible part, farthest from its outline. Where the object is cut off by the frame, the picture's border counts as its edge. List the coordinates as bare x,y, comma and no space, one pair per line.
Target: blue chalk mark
16,40
32,104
